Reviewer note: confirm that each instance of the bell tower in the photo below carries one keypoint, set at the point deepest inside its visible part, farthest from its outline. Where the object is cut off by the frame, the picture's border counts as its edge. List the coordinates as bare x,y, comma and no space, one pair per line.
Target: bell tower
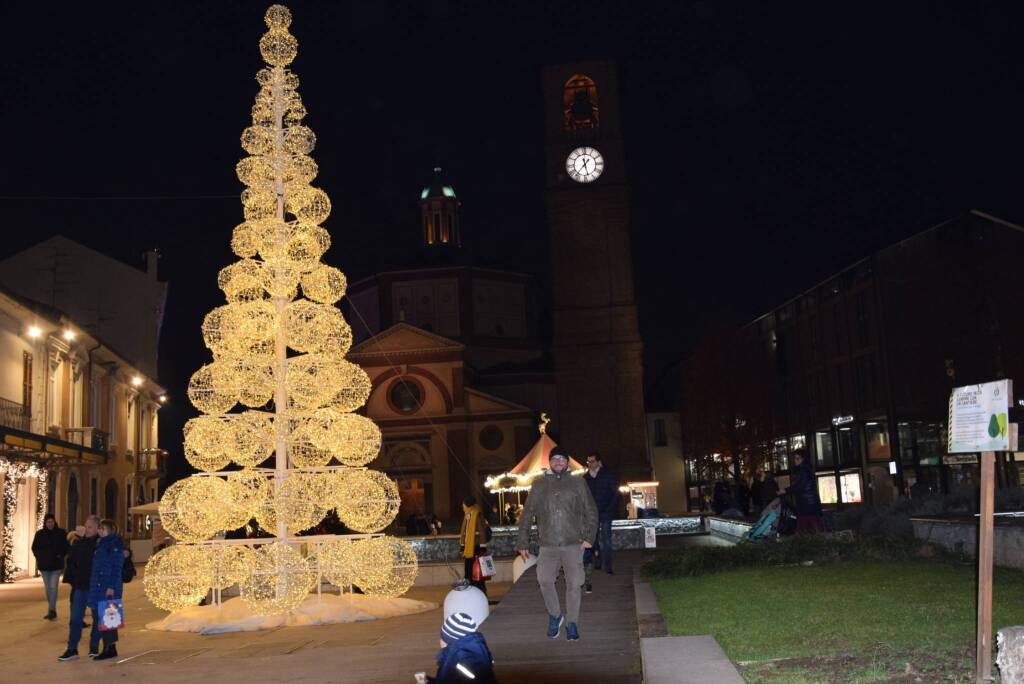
439,209
597,347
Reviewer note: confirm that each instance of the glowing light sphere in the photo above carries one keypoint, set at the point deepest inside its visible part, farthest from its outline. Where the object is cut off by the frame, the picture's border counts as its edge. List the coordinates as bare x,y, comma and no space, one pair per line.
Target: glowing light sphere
207,393
240,328
280,579
398,556
316,328
305,455
255,171
353,439
306,245
195,508
278,17
338,560
324,284
294,502
258,140
280,278
278,47
299,139
311,207
312,380
259,203
208,442
366,500
177,577
229,564
241,281
249,491
252,438
354,394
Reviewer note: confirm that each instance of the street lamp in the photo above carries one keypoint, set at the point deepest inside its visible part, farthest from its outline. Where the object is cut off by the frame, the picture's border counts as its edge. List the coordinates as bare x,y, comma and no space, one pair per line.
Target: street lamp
34,331
69,334
136,381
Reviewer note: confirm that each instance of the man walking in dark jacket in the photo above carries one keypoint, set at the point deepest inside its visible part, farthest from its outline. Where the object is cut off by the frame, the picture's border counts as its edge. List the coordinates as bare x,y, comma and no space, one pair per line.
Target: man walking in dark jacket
78,574
50,546
566,524
804,488
604,487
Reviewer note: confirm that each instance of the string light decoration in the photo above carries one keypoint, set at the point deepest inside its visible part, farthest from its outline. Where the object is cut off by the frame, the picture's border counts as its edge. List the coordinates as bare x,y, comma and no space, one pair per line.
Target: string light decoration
178,576
14,473
278,386
280,578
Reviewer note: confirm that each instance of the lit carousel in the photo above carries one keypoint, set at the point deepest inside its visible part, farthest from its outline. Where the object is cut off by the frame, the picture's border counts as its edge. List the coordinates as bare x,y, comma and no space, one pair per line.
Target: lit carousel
532,466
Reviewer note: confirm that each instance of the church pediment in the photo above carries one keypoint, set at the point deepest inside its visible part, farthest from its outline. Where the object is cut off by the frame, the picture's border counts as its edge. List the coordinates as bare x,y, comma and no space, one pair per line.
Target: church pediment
403,338
479,402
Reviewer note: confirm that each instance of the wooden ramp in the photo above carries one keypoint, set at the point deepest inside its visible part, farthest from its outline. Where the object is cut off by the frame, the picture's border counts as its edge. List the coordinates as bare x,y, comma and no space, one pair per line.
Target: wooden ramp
609,645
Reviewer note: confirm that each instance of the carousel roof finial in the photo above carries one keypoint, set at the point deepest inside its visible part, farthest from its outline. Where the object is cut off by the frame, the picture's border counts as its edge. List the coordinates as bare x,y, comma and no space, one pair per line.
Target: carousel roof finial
544,420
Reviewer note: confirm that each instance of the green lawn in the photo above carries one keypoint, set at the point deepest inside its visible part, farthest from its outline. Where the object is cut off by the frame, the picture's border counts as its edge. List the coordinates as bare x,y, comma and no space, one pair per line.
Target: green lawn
848,621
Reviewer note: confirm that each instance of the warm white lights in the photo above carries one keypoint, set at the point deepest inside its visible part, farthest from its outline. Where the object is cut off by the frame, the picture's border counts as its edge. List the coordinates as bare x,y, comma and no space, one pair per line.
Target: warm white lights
69,334
279,390
34,331
136,381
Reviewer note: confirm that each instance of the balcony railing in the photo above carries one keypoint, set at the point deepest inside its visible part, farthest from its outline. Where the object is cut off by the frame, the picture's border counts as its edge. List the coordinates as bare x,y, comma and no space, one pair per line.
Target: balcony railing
151,461
88,437
14,415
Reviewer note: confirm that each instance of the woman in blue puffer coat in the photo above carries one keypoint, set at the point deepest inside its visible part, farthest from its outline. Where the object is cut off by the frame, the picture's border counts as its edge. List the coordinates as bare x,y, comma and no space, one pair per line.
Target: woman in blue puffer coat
106,581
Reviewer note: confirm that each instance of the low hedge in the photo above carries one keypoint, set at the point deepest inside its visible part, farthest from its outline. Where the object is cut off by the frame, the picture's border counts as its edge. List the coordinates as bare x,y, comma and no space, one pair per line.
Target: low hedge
801,549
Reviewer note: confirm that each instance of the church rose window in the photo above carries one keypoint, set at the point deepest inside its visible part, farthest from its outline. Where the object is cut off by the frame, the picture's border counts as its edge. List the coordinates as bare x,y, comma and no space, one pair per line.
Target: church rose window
491,437
405,395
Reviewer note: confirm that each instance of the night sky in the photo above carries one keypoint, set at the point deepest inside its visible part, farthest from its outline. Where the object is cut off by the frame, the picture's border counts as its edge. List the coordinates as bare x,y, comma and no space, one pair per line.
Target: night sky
768,144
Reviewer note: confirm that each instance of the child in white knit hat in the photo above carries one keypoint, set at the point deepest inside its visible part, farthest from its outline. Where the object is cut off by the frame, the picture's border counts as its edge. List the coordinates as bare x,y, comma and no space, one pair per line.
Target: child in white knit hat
464,655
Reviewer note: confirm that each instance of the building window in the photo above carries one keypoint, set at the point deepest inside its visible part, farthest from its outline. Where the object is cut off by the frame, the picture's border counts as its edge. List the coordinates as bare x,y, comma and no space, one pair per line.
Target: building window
862,319
127,505
824,449
72,519
405,395
491,437
660,438
110,500
26,382
94,496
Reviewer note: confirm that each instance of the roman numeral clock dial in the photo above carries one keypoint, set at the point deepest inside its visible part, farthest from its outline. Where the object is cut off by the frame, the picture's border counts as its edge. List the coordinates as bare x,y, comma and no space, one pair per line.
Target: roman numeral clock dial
584,164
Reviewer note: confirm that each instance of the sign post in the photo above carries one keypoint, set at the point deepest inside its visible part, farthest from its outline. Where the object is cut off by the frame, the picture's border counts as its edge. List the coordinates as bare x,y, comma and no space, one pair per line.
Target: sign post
978,423
983,669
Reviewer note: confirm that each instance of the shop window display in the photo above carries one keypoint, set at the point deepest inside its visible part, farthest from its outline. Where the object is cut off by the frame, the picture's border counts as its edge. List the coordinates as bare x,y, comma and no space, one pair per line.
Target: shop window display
849,485
827,489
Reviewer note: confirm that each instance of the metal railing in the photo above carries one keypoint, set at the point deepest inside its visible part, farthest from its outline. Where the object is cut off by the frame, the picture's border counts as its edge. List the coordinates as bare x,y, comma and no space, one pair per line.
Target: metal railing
91,437
14,415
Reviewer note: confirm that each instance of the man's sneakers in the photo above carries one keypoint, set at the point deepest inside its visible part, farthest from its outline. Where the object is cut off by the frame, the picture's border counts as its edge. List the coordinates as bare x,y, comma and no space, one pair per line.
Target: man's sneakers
571,632
554,624
50,616
70,654
588,588
108,652
93,654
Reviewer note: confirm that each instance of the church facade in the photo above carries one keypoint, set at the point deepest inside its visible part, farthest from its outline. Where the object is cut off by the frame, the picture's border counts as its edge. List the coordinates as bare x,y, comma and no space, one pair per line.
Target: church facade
461,357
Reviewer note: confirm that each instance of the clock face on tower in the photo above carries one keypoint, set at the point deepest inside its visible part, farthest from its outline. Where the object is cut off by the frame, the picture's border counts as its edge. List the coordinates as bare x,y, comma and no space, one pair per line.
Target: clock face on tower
584,164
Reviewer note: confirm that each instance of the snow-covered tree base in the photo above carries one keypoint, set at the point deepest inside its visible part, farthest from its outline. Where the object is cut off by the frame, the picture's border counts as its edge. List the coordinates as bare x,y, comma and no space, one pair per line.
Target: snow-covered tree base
235,616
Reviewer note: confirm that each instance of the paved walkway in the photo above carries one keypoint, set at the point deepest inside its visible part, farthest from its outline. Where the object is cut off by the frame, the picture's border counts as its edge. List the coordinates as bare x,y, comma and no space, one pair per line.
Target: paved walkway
609,647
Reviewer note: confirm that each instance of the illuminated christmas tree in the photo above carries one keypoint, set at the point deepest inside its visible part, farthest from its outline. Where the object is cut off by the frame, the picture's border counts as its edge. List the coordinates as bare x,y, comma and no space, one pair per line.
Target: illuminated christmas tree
279,389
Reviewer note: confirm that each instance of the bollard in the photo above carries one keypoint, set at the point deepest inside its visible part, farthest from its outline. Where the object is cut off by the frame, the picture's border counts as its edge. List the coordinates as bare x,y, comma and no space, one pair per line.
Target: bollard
1010,658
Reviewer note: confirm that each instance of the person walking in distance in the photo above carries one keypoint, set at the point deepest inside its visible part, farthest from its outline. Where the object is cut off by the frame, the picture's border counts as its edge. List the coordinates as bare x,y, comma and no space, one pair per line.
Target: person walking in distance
566,525
78,574
604,487
473,539
50,546
803,486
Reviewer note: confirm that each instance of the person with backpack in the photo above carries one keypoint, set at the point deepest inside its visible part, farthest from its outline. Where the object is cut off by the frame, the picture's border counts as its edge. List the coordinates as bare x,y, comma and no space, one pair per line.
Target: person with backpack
50,546
464,656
